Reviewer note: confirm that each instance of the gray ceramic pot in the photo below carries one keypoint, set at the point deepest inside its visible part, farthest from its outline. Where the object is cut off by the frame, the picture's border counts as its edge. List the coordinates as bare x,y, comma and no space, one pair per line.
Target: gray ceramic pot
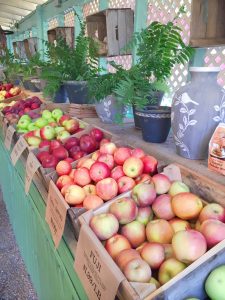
197,109
109,111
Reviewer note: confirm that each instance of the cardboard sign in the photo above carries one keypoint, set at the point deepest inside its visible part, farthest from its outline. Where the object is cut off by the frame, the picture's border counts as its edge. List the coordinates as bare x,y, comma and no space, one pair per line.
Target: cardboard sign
8,137
172,172
32,166
56,211
97,271
18,149
4,127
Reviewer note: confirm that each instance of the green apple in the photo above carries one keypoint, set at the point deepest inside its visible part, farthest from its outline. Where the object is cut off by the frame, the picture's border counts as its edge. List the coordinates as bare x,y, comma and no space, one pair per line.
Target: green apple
22,130
51,120
63,135
59,129
47,132
23,124
46,114
25,117
41,122
32,127
33,141
215,284
37,133
57,113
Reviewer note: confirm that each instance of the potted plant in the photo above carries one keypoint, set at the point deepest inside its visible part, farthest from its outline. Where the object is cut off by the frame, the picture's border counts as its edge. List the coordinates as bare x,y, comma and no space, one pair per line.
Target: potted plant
159,49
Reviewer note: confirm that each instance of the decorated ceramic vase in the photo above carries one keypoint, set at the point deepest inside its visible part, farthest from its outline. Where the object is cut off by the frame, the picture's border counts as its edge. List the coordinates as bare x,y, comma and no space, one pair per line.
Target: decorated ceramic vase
197,109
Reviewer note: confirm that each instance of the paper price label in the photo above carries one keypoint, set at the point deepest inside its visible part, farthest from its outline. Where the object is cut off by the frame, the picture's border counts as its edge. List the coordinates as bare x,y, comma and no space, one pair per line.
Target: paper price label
18,149
172,172
56,211
8,137
32,166
95,268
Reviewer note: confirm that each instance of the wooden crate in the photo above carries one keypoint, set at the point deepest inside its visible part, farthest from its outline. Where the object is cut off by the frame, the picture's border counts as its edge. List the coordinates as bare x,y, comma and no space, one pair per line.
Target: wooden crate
22,95
112,29
174,289
207,23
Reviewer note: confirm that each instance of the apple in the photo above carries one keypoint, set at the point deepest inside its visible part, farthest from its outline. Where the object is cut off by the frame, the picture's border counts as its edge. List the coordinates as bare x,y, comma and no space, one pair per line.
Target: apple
104,225
139,248
87,163
97,134
162,183
49,161
99,171
32,127
61,153
37,133
162,207
124,256
159,231
82,177
143,178
52,123
178,187
69,160
153,254
78,155
25,117
134,232
124,209
144,215
34,141
74,195
73,151
57,113
133,167
137,152
90,189
155,282
179,224
62,119
144,194
107,159
41,122
137,270
169,269
23,124
80,162
117,172
41,155
189,245
64,189
47,133
125,184
107,189
71,126
62,135
104,141
63,168
58,129
168,250
46,114
215,284
212,211
95,155
213,231
64,180
150,164
44,143
121,154
116,244
87,143
53,145
92,202
186,205
72,141
107,148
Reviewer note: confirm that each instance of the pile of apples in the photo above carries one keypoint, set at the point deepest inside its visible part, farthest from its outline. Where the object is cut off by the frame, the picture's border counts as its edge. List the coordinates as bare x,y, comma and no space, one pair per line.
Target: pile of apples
158,229
102,176
7,90
21,107
52,152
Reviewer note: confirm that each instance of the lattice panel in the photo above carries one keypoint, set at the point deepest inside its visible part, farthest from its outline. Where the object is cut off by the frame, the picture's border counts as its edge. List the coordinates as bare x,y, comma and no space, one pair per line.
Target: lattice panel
122,4
91,8
53,23
69,18
125,61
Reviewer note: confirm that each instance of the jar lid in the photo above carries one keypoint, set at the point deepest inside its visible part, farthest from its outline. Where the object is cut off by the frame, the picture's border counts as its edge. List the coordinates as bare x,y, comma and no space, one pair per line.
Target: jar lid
204,69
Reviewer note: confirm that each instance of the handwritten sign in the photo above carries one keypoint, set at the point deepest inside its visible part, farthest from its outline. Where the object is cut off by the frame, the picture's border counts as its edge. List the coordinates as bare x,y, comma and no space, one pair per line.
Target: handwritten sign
56,211
32,166
172,172
18,149
95,268
8,137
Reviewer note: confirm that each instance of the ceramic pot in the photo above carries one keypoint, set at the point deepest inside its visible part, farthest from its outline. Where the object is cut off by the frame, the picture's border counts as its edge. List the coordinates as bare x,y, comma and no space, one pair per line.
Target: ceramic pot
197,109
77,91
60,95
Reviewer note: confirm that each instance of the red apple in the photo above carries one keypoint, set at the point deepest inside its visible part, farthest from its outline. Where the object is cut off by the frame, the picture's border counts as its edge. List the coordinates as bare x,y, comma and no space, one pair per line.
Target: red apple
153,254
125,184
74,195
107,189
72,141
162,207
145,214
54,144
63,119
213,231
137,270
134,232
82,177
87,143
144,194
49,161
78,155
104,141
63,180
138,152
150,164
97,134
99,171
117,172
60,153
124,209
69,160
121,154
107,159
71,125
212,211
41,155
159,231
162,183
90,189
107,148
44,143
116,244
63,168
169,269
125,256
188,245
104,225
92,202
143,178
133,167
73,150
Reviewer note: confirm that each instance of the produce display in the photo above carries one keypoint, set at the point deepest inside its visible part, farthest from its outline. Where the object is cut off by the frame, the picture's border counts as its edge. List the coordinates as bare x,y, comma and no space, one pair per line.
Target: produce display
158,229
7,90
62,153
108,172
